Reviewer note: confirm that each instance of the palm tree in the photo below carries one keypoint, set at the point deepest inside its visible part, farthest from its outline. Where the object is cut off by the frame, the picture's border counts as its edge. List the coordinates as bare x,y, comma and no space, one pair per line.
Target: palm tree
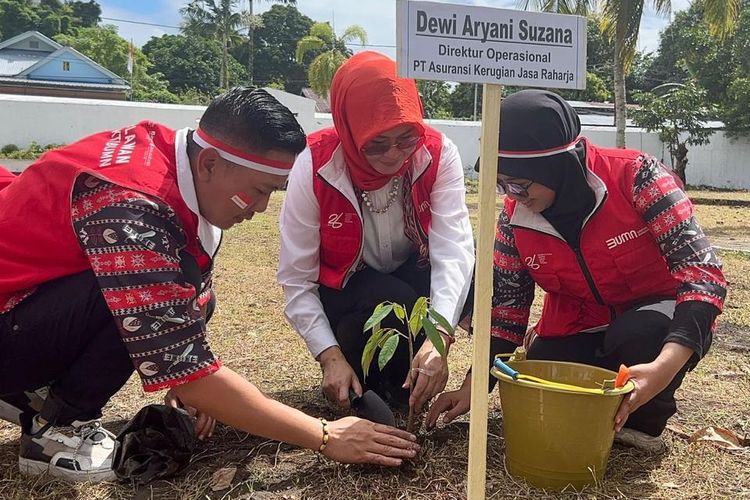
621,21
256,22
324,66
219,19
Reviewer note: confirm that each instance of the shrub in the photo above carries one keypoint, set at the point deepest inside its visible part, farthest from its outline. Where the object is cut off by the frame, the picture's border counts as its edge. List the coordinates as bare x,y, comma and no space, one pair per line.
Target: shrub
8,148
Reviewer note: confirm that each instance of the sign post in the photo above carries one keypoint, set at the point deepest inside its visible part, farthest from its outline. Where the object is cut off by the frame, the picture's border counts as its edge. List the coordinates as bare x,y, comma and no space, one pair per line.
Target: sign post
494,47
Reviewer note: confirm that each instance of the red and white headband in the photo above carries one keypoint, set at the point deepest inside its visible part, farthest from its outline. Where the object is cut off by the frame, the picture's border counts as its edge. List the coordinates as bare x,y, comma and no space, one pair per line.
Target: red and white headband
539,153
234,155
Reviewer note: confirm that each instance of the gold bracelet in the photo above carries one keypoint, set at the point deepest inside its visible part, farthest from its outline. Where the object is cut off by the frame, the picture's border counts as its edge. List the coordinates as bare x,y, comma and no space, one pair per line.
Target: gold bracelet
324,442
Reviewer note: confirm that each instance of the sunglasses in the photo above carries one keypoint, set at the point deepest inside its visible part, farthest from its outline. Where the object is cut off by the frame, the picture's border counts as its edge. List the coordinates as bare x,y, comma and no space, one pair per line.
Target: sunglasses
380,148
520,190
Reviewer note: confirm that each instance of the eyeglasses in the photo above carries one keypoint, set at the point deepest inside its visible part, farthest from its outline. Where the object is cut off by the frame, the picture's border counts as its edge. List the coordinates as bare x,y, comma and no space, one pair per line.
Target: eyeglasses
380,148
520,190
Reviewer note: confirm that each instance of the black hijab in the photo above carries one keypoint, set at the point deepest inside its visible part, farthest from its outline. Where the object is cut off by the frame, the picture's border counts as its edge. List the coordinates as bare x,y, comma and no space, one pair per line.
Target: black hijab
538,120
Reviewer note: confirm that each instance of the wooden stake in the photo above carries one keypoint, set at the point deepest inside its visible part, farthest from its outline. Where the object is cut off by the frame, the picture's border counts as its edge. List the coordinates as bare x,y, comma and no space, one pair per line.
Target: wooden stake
483,291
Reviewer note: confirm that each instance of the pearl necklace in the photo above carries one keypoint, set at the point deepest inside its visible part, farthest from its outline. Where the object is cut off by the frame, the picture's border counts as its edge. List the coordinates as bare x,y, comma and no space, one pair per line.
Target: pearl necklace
392,195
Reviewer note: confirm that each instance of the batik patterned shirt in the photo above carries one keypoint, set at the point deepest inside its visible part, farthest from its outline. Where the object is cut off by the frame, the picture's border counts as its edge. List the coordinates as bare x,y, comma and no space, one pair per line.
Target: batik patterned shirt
135,246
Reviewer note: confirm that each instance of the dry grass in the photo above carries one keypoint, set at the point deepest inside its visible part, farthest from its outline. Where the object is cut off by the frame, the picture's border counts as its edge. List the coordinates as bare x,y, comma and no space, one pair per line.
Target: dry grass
250,332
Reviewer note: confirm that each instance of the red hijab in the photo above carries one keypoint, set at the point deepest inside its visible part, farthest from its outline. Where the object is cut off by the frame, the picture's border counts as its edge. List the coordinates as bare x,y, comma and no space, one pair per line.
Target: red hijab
367,99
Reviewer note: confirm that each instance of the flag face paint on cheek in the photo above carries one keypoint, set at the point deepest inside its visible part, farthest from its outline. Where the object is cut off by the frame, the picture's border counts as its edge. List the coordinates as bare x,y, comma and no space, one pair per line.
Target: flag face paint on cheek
242,200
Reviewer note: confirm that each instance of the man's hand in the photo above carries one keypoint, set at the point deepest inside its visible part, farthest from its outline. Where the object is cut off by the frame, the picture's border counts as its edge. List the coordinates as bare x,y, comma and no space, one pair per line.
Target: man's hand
338,376
453,403
204,424
355,441
429,373
652,378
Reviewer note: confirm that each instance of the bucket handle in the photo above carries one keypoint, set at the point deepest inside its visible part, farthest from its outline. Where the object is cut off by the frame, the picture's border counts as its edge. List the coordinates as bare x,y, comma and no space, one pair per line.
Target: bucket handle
506,369
622,377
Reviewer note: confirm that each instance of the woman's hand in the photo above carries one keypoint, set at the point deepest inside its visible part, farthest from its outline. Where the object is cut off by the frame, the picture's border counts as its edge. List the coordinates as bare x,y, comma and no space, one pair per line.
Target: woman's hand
652,378
529,338
338,377
353,440
452,403
429,373
204,424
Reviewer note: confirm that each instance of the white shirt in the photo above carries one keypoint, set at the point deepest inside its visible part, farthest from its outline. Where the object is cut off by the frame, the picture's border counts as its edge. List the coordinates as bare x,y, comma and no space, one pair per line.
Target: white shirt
386,246
450,240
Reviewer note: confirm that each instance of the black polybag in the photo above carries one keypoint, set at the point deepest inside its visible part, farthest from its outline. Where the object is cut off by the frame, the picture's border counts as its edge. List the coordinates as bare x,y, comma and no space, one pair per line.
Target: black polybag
157,442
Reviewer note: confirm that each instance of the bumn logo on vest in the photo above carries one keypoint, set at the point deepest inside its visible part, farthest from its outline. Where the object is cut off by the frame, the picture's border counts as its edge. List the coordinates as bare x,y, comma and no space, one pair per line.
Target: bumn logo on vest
535,261
625,237
337,220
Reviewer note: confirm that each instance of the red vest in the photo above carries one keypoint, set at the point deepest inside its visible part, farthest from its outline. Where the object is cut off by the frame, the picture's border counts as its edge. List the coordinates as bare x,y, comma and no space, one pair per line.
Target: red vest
619,262
341,230
39,243
5,178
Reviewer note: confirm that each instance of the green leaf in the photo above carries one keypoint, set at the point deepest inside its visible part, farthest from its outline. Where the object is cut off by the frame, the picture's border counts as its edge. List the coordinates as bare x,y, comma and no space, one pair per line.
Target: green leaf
388,350
387,334
381,311
368,353
399,311
434,335
447,327
418,312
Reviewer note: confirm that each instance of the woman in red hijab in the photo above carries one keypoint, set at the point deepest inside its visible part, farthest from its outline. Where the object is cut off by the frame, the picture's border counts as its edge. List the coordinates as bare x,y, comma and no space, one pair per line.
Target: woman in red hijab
374,212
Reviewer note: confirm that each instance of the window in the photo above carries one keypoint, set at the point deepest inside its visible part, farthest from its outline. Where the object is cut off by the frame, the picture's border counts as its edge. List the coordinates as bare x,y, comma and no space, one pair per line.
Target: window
33,44
66,65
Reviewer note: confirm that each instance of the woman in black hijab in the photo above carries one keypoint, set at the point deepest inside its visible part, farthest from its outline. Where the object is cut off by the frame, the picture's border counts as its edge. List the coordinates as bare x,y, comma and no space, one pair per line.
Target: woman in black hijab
546,124
629,276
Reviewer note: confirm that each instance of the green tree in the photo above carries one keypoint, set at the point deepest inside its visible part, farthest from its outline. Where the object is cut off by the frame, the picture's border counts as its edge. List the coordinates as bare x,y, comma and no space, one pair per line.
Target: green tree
275,45
462,101
621,21
220,20
49,17
103,45
255,22
87,14
679,118
54,18
194,97
16,17
436,98
736,111
324,66
190,62
596,90
720,65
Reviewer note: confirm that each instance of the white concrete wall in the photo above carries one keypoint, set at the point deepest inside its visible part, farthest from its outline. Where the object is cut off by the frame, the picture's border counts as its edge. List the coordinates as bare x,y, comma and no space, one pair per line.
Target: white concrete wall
722,163
60,120
46,120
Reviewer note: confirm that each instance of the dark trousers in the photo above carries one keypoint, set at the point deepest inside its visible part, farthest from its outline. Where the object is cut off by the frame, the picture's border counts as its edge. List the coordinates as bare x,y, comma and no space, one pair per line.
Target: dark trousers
635,337
348,309
64,336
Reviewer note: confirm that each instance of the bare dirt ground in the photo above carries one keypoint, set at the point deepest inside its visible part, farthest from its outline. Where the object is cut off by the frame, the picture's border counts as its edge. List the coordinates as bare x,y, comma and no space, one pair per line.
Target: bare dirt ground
250,333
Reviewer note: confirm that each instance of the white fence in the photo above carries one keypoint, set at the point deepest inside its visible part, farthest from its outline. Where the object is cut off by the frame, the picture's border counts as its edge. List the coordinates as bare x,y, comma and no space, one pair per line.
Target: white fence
47,120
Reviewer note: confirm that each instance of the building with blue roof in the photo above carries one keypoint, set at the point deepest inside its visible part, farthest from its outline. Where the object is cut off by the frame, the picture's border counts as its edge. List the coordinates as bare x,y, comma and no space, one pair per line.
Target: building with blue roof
33,64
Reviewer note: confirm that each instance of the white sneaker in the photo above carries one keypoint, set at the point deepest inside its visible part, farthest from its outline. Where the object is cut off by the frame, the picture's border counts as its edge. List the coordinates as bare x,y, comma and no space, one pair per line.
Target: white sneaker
80,452
640,440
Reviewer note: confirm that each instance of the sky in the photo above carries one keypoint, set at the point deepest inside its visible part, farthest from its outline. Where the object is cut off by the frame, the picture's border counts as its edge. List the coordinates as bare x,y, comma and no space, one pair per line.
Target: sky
377,17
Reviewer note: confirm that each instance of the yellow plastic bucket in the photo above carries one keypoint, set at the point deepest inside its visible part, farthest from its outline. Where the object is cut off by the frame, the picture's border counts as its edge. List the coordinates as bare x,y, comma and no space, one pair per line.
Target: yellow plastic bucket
556,437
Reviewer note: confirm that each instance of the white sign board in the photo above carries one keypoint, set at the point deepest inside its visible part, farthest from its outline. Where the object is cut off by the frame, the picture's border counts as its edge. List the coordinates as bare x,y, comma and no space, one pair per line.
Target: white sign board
462,43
